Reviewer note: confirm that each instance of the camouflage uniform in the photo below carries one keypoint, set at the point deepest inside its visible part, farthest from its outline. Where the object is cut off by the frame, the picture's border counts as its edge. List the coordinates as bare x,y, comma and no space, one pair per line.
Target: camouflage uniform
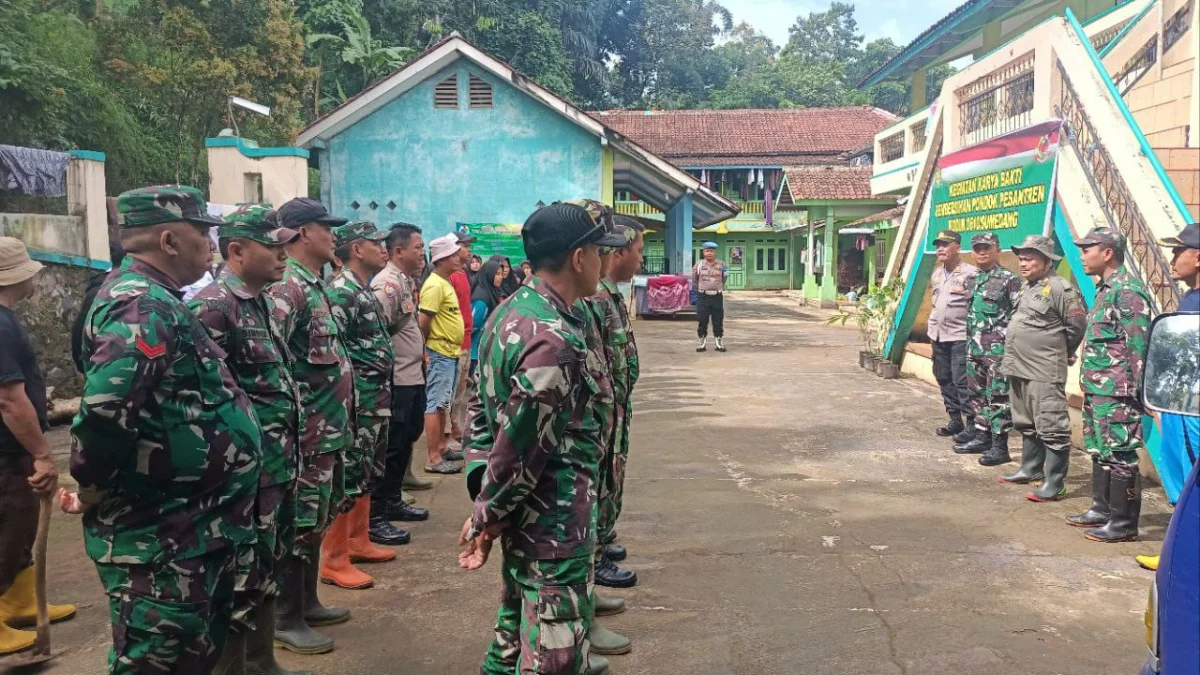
369,345
322,370
1114,348
535,407
616,330
166,452
242,326
993,293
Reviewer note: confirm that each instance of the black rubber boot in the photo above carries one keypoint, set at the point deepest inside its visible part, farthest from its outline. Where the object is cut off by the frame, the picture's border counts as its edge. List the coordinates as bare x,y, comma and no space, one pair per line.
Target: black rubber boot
1098,514
292,632
1052,488
954,427
608,574
315,613
614,552
1033,455
1125,504
998,453
233,656
260,644
979,443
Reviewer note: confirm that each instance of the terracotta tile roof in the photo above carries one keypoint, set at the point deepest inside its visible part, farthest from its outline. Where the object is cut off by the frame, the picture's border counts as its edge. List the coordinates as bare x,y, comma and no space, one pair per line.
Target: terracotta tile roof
829,182
732,137
894,212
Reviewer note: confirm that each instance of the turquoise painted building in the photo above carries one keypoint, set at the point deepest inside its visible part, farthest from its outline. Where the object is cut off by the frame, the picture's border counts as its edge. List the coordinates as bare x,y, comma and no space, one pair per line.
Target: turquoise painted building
456,136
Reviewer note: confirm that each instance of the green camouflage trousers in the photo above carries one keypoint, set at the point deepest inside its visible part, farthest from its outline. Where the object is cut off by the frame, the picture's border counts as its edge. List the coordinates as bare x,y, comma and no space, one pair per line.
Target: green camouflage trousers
169,617
612,487
546,613
987,390
319,496
275,530
365,461
1112,428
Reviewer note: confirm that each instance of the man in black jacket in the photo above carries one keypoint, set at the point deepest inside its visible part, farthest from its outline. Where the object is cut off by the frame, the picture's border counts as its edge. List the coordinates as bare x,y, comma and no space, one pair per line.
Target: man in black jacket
116,254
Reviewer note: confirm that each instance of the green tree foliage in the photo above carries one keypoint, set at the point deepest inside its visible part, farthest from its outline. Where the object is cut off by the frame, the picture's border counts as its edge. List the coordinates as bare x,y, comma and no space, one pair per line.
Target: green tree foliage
146,81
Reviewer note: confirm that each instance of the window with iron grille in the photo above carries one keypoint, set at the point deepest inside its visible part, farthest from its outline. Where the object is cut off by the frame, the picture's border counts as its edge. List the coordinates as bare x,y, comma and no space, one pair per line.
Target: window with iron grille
445,93
1176,26
881,252
999,102
1105,37
918,136
480,92
892,147
1137,67
770,259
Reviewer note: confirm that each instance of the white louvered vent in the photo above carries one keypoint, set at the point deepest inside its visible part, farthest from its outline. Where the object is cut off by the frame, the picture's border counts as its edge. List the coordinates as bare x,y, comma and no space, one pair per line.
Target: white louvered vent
445,93
481,93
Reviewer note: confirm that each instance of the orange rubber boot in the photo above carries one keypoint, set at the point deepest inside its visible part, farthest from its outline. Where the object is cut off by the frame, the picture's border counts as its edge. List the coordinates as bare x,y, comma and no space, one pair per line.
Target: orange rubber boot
361,548
336,568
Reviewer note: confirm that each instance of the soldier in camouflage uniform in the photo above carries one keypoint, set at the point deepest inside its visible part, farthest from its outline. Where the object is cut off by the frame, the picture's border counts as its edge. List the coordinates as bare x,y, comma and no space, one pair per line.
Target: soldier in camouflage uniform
1114,350
1043,335
238,317
534,451
993,290
166,446
359,246
322,370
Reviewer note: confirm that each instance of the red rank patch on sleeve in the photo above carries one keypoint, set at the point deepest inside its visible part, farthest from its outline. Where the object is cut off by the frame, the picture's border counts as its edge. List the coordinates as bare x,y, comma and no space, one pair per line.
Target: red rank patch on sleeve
151,351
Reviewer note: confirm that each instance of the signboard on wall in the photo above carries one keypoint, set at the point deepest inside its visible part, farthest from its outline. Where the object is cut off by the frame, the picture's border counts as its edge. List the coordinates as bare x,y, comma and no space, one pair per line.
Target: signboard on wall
496,239
1004,185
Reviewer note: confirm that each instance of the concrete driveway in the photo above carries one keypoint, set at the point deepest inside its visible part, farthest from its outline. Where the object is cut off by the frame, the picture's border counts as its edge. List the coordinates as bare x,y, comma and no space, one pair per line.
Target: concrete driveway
788,514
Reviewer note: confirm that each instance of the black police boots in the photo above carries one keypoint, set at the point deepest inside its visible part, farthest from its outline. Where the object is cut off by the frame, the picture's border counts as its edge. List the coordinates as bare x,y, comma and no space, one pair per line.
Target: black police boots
998,453
1125,506
978,443
397,509
954,427
614,552
1098,514
608,574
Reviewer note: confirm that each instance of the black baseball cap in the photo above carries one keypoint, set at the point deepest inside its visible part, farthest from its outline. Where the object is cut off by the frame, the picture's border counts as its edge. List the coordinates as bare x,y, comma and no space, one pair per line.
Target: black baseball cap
1188,237
561,227
464,238
948,236
302,210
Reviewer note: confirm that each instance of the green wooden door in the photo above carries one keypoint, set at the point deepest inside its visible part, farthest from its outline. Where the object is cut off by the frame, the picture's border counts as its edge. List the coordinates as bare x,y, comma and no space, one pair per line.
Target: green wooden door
735,257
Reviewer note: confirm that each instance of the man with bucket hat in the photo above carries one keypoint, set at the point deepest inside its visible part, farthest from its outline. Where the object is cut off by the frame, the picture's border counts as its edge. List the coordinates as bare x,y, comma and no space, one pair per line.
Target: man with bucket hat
441,321
1043,336
359,245
534,428
27,469
166,446
322,369
1110,376
237,314
993,290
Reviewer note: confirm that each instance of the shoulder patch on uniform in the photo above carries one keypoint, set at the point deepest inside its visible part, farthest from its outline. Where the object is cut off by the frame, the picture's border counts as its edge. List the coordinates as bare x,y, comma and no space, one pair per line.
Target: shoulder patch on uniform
150,351
1046,290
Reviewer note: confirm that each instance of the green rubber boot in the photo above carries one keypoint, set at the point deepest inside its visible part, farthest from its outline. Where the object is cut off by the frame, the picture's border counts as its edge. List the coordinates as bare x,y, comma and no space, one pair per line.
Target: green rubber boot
1033,455
608,643
233,657
1052,488
608,606
597,665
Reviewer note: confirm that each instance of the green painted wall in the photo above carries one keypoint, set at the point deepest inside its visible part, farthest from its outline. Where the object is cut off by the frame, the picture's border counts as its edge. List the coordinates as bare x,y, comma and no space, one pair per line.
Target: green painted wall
767,260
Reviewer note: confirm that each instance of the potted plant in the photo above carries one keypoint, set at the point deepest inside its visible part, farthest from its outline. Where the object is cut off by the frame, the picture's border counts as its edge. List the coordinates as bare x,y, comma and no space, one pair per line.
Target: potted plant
873,315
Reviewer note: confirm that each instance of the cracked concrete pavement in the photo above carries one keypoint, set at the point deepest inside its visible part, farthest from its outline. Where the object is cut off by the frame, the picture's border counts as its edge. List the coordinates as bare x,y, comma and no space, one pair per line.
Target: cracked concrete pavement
787,513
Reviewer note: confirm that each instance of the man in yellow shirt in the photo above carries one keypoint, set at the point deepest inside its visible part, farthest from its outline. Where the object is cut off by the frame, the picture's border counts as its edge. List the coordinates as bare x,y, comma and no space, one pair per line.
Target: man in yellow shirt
441,323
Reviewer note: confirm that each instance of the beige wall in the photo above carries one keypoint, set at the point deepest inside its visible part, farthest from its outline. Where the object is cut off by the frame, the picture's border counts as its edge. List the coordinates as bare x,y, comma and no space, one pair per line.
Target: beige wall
231,177
1162,101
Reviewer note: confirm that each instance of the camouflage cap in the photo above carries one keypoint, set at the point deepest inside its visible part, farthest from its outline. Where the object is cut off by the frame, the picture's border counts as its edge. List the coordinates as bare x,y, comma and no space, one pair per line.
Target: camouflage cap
985,239
1043,245
160,204
1104,236
256,222
355,230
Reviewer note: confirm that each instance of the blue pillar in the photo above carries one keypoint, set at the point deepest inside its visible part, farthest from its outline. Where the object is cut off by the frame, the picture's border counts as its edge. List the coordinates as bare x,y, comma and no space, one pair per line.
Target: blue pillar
679,236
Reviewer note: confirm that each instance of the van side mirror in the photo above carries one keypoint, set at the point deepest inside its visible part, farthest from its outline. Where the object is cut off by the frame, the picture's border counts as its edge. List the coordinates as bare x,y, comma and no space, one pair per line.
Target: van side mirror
1171,382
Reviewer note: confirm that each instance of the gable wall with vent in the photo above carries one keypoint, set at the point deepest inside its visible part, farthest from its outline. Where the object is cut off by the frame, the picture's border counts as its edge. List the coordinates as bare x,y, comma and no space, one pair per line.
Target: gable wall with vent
437,166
